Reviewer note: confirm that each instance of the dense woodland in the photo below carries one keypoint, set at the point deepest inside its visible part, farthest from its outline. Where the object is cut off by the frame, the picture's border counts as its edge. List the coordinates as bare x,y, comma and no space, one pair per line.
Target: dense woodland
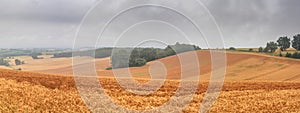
140,56
132,57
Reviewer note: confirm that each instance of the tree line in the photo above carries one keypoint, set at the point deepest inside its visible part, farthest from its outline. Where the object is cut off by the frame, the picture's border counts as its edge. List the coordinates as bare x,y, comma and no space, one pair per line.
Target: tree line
98,53
135,57
283,43
4,62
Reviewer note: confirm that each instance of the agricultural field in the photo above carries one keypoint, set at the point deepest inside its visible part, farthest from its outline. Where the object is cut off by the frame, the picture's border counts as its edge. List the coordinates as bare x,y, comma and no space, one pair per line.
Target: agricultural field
150,56
254,82
54,65
35,92
276,53
240,66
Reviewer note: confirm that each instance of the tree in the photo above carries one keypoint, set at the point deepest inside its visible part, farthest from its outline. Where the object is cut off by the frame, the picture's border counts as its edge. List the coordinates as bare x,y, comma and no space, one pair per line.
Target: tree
232,48
138,62
35,55
197,47
120,59
4,62
280,54
288,54
149,54
272,46
250,50
284,43
169,51
296,55
260,49
296,42
267,49
18,62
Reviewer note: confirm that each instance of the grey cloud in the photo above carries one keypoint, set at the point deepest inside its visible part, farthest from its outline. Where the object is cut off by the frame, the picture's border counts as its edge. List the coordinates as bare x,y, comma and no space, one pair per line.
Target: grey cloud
45,10
253,22
53,23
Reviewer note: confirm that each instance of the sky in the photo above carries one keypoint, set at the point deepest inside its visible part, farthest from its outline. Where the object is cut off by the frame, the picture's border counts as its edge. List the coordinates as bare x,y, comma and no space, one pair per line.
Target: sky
54,23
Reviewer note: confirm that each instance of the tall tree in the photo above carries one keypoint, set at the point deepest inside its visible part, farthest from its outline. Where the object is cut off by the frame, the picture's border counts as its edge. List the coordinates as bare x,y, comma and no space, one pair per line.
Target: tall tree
272,46
284,43
296,42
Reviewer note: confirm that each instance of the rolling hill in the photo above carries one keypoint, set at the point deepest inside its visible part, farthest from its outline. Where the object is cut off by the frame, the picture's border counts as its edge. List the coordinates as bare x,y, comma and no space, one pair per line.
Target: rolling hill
36,92
254,82
240,67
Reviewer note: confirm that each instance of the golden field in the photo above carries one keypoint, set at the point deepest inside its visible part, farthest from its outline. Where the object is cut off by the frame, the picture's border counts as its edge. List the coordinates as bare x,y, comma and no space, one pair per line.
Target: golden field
240,67
34,92
55,65
254,83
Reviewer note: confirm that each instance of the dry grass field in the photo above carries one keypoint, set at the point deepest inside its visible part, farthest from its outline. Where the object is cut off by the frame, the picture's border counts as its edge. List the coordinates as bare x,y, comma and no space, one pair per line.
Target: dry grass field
254,83
55,65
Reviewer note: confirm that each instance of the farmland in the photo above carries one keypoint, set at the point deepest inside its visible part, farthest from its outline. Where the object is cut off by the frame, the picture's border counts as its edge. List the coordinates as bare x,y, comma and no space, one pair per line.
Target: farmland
254,82
150,56
55,65
34,92
240,67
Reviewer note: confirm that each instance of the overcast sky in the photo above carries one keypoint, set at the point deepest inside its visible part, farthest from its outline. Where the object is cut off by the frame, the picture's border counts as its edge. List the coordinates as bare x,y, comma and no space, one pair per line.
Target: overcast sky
53,23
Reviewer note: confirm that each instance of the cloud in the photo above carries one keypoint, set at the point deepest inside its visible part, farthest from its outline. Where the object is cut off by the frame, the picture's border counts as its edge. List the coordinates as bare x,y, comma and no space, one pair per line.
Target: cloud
31,23
253,22
53,23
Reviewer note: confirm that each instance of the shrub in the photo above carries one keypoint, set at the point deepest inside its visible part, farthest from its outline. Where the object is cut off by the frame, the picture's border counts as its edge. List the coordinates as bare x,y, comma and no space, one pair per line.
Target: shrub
250,50
232,48
109,68
296,55
4,62
266,50
35,55
260,49
288,55
18,62
280,54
